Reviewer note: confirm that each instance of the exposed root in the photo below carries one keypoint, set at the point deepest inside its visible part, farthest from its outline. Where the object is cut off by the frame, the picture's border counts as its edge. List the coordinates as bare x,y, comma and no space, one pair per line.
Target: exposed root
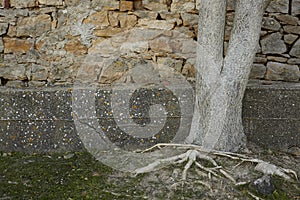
195,153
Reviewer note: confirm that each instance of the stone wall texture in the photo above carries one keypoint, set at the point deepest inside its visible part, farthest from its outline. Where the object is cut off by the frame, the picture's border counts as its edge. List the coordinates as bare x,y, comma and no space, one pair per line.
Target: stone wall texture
43,42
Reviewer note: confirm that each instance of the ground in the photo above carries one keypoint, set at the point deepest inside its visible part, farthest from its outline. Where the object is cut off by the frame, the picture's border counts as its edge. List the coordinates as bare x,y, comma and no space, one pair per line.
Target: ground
78,175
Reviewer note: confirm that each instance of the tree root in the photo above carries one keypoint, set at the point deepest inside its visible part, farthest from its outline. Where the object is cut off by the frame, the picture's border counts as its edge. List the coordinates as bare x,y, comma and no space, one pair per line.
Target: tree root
195,153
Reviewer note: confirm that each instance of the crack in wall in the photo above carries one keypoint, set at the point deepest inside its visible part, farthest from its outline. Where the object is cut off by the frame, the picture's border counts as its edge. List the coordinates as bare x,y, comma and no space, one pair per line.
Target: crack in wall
290,7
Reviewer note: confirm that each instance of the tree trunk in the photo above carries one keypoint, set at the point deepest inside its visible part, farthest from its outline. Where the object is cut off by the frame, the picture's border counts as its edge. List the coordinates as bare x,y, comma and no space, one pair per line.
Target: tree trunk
221,81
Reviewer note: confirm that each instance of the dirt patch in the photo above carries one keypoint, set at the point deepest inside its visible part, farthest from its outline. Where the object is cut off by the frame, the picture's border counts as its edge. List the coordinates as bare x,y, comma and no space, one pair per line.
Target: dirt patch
80,176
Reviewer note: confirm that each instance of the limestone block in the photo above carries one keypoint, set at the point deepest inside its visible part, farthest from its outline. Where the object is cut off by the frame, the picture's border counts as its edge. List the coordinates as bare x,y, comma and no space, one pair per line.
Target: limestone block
22,3
295,51
189,70
287,19
157,24
34,26
72,2
108,32
261,60
98,19
113,18
270,23
189,19
1,45
12,31
13,72
114,72
126,5
294,61
295,7
156,5
132,46
51,2
3,28
282,72
146,14
75,47
138,4
171,15
169,62
292,29
127,21
277,59
106,4
16,84
258,71
161,44
14,45
186,31
290,38
1,6
182,5
281,6
273,44
39,73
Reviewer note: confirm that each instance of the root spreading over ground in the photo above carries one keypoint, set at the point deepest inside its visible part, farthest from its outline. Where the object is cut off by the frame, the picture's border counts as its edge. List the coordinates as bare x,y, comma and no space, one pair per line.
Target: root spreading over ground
195,155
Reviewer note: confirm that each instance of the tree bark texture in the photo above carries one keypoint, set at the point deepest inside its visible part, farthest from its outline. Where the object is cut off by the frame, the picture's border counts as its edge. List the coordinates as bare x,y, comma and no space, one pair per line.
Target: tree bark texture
221,81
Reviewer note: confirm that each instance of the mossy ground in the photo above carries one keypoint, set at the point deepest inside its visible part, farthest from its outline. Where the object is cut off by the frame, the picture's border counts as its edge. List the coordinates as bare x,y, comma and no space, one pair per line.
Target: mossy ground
80,176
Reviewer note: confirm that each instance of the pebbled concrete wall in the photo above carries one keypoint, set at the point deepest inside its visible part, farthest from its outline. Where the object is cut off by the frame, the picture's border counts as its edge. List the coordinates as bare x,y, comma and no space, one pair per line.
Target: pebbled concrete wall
34,120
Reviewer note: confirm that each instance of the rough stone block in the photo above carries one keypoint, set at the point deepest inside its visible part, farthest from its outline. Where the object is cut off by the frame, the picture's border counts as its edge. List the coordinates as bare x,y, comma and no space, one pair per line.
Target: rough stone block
292,29
157,24
34,26
295,7
277,59
290,38
189,19
106,4
13,45
273,44
39,73
51,2
182,6
138,4
22,3
98,19
108,32
278,6
287,19
13,72
156,5
282,72
126,5
127,21
270,23
258,71
3,28
72,2
75,47
295,51
294,61
1,45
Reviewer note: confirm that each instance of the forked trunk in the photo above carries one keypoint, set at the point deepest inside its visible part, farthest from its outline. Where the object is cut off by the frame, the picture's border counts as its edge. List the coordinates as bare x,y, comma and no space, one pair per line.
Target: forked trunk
221,81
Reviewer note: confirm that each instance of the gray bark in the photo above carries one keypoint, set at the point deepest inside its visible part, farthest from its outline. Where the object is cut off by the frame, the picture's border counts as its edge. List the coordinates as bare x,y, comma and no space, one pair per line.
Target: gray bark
221,81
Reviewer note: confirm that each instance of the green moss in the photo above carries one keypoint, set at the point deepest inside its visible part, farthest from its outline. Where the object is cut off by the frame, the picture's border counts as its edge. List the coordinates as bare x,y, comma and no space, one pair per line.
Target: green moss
55,177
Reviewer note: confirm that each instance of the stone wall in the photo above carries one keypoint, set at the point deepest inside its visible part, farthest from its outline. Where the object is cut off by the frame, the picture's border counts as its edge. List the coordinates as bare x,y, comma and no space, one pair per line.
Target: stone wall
43,42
